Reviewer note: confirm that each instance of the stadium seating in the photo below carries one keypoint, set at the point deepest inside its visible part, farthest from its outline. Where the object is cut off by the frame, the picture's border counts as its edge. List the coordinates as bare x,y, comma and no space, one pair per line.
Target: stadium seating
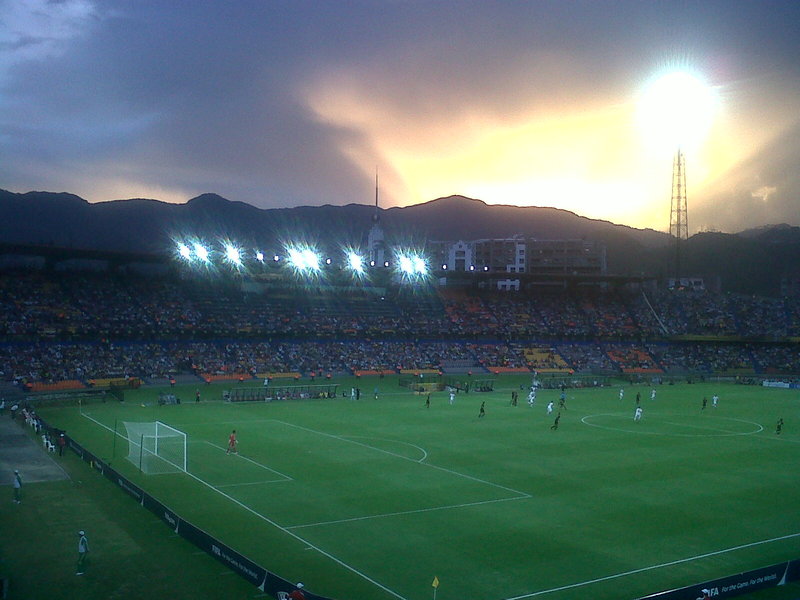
67,331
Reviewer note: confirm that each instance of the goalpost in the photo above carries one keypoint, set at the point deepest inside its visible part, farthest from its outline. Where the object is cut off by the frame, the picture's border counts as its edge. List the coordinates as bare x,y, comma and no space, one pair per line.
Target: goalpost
156,447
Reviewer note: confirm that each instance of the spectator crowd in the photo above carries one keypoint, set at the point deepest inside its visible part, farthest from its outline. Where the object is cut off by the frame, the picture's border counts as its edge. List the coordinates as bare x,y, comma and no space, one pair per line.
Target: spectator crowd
84,326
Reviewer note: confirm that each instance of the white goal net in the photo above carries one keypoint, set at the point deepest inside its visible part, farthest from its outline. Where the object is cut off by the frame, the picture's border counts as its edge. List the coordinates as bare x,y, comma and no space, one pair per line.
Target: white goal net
156,447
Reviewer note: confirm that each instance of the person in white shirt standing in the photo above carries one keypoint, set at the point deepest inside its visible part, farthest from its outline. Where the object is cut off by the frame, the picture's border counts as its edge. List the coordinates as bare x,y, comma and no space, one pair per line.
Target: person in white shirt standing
83,550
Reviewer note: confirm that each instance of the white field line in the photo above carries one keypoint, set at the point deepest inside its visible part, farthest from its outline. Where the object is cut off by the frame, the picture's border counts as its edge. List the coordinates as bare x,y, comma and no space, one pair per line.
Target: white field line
250,460
230,485
405,512
364,437
653,567
517,493
707,428
281,528
725,433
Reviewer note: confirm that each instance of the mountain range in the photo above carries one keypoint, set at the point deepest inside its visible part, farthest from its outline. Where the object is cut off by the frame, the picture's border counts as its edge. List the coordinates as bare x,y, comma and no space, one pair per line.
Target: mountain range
751,261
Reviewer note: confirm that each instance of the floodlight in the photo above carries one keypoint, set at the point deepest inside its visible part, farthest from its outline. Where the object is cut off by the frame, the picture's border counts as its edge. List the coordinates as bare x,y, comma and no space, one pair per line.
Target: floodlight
372,263
472,267
276,258
328,261
444,267
303,259
232,254
355,262
296,258
259,256
201,251
406,265
485,268
311,259
184,251
386,263
420,268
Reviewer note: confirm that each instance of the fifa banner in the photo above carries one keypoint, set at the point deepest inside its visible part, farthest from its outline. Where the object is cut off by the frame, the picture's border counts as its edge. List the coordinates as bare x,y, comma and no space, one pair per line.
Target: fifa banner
735,585
265,581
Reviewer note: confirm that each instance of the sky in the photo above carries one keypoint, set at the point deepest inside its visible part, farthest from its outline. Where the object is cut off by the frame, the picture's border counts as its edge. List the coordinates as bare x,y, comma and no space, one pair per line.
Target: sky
574,105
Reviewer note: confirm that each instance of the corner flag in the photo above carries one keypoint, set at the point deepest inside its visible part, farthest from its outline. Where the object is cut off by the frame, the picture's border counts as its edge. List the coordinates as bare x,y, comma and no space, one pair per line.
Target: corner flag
435,582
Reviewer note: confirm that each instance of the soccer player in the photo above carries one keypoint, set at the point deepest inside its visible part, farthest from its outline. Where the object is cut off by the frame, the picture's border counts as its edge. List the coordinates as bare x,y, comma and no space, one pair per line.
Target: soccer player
482,412
714,400
562,400
197,395
653,394
550,407
532,397
554,426
452,395
232,443
779,426
705,403
621,393
428,401
637,415
638,398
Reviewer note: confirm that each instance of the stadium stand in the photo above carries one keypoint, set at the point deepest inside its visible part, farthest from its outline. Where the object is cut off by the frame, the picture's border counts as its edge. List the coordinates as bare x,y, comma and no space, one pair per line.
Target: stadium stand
88,329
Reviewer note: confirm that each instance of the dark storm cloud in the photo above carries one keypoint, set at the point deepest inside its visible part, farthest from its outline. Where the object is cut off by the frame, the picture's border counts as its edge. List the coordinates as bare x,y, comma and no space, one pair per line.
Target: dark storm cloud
114,99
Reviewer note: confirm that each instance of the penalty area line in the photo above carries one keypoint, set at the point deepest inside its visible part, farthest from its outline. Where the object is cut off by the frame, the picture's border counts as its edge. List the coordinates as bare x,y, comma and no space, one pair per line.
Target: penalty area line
400,456
230,485
654,567
407,512
250,460
266,519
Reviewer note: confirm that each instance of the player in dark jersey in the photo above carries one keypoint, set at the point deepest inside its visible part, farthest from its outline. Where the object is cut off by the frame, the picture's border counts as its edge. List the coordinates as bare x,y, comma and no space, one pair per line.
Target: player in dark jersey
554,426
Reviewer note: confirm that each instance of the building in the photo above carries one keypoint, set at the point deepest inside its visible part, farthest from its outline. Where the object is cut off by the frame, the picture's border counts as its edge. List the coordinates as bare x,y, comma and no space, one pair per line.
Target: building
550,260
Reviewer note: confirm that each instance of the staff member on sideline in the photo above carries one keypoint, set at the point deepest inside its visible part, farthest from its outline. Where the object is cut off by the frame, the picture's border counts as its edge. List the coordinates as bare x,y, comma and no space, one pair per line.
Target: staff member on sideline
83,550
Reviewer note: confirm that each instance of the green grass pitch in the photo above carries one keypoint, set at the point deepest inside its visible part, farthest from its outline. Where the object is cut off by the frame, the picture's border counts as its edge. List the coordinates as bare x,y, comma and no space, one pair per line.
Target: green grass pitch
373,499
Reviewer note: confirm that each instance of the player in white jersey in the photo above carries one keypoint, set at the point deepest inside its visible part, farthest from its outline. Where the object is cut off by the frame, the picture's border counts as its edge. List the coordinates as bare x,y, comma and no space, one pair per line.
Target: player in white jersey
714,400
452,395
549,407
621,393
532,397
653,394
637,414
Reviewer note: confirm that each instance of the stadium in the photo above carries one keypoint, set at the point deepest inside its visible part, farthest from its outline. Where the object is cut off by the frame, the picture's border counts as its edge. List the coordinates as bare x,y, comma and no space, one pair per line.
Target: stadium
227,372
402,430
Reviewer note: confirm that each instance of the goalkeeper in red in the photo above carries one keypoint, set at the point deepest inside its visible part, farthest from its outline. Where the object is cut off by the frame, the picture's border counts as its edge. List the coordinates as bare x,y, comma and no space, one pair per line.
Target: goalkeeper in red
232,443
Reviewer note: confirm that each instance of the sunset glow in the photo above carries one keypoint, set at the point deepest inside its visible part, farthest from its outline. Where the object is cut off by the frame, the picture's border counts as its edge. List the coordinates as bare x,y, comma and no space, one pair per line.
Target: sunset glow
527,104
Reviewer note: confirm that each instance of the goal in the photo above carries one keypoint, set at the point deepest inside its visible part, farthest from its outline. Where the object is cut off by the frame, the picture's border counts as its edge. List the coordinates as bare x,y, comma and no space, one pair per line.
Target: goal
155,447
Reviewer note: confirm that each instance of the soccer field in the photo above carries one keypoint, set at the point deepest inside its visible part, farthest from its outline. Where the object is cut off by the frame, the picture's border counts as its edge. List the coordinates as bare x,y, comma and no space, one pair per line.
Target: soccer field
372,499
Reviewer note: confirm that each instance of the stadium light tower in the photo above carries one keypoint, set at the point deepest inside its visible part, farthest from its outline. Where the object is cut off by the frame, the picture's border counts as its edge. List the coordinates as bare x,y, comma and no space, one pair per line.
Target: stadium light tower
679,211
676,110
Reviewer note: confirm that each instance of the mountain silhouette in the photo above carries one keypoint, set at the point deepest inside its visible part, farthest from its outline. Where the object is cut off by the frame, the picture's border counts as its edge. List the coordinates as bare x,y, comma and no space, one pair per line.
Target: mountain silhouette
753,261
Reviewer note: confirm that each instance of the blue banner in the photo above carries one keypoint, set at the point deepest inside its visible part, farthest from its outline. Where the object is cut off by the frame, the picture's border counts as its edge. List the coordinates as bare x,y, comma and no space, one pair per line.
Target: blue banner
734,585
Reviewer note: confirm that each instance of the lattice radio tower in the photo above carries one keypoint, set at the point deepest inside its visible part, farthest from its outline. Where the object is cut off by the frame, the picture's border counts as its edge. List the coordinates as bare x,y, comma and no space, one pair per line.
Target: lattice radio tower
678,212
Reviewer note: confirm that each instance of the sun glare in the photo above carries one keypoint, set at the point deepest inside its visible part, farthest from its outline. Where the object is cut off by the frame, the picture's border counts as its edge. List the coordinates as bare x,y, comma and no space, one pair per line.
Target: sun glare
676,110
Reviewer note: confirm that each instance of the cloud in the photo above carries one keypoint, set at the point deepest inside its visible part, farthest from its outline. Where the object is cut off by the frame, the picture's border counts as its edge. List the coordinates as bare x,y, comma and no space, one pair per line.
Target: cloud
762,189
764,192
287,103
39,29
